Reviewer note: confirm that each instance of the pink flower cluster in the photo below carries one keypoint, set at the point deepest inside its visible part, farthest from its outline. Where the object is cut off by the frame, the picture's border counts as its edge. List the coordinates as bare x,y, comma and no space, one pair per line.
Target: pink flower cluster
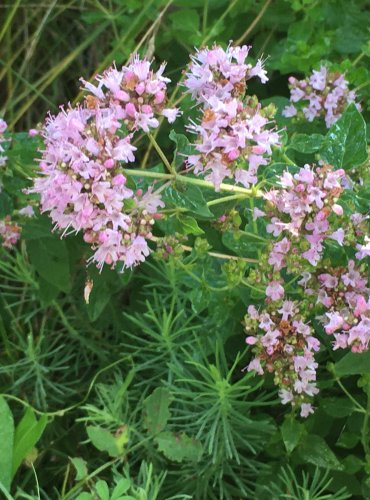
300,211
303,212
82,185
283,344
321,94
3,127
221,74
135,94
83,189
233,131
10,232
344,293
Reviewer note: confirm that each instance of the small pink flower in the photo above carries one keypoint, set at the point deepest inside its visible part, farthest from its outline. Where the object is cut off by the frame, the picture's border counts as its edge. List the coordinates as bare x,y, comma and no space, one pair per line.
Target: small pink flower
335,322
338,236
274,290
171,114
363,249
255,365
253,313
251,340
306,410
361,306
337,209
258,213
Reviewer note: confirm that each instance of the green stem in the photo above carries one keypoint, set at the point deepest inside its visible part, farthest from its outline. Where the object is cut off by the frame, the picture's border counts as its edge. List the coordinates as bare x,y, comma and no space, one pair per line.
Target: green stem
254,23
90,476
191,180
287,160
255,235
221,289
363,85
358,58
225,199
161,154
218,255
202,282
223,256
259,290
190,273
364,429
219,21
255,228
359,407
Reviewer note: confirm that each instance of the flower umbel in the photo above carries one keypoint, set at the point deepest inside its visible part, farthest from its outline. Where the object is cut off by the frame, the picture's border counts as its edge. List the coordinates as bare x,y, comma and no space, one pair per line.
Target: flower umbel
234,131
322,94
283,345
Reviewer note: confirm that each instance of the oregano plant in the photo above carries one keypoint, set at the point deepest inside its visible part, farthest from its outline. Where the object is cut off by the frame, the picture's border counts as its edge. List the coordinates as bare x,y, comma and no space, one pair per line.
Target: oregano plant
185,268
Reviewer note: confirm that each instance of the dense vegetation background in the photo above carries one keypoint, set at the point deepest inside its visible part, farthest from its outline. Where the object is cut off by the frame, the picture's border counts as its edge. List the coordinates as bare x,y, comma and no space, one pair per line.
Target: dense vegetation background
140,393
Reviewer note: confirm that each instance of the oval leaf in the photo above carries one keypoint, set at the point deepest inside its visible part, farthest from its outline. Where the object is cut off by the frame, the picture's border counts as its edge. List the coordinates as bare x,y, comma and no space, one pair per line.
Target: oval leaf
6,440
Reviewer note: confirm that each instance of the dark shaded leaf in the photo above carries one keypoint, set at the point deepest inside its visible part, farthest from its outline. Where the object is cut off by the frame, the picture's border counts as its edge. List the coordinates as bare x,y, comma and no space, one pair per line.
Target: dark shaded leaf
49,256
345,143
304,143
291,431
315,450
353,364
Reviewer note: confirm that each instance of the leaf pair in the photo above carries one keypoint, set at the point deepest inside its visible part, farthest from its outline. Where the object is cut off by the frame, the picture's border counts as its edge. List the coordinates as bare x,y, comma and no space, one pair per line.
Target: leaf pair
17,442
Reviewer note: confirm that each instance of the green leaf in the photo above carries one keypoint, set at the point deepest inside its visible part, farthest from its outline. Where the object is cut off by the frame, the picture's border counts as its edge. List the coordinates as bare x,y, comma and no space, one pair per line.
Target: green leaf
337,407
36,228
304,143
179,447
185,20
352,464
122,438
185,26
6,205
189,225
49,256
156,410
242,244
81,467
27,433
85,496
353,364
102,490
47,291
183,148
199,297
105,284
291,431
186,196
6,446
348,440
314,450
103,440
122,486
99,298
345,143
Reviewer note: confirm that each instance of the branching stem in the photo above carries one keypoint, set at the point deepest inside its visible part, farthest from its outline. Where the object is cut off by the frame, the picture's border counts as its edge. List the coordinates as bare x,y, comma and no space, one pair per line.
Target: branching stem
256,193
